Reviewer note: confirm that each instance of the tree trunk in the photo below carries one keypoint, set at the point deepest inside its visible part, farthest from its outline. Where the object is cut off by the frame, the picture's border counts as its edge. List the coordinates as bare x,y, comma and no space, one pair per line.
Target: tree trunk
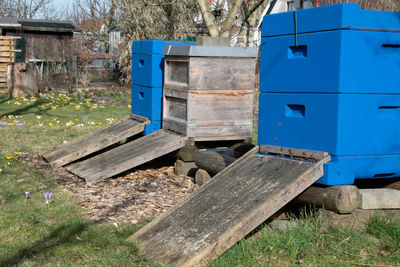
208,18
185,168
340,198
201,177
187,153
230,18
246,34
212,161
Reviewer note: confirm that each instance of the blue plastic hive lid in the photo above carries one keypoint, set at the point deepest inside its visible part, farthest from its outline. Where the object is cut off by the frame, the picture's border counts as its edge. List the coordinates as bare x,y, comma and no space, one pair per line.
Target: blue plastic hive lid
154,46
331,17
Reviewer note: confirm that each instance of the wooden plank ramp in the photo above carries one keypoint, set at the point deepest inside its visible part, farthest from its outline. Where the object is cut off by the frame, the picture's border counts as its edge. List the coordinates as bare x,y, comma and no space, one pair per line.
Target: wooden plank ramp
128,156
227,208
95,141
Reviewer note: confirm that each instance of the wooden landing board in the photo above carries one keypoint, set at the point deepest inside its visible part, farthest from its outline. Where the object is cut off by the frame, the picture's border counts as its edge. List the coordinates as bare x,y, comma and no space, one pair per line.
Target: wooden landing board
225,209
95,141
128,156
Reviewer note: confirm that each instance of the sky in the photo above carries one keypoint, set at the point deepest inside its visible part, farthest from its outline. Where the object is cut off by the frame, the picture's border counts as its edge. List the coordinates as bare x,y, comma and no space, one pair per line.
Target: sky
61,4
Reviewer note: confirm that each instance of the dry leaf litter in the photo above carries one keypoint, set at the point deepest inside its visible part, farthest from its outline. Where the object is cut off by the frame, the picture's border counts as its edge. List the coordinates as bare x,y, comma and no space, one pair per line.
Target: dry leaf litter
130,198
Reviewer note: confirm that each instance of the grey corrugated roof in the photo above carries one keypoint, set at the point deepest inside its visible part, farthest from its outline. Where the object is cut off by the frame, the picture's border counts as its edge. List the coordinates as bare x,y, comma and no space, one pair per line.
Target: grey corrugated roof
9,21
39,25
209,51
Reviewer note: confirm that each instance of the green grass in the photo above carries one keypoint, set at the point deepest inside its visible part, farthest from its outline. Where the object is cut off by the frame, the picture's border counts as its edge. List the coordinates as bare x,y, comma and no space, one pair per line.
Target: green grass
33,233
312,243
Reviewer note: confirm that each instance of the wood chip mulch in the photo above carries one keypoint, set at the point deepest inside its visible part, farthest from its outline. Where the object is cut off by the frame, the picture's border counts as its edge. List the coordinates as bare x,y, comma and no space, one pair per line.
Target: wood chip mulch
130,198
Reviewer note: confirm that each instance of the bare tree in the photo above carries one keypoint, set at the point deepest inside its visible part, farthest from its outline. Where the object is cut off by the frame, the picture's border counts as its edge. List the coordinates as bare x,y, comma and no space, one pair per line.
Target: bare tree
210,20
26,9
251,20
241,17
155,19
95,18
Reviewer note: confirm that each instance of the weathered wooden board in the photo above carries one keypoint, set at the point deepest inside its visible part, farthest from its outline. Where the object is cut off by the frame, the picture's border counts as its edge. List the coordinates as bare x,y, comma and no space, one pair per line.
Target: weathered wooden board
293,152
95,141
128,156
225,209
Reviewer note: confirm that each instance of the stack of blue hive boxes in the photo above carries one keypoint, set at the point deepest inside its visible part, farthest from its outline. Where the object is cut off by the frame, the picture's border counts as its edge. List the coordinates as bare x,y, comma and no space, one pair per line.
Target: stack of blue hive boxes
147,80
330,81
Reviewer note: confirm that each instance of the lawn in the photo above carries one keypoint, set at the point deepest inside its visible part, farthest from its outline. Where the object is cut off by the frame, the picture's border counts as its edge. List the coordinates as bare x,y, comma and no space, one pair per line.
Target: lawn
58,233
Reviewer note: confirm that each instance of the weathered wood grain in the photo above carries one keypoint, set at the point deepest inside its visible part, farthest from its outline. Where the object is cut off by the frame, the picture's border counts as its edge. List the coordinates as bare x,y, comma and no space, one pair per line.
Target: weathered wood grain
128,156
221,73
23,79
225,209
175,125
177,71
340,198
92,142
293,152
209,114
201,177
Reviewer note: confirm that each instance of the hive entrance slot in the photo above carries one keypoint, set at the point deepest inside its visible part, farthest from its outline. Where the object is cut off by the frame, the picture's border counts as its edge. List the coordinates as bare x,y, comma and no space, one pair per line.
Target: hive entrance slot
297,51
141,95
389,107
383,175
393,46
296,111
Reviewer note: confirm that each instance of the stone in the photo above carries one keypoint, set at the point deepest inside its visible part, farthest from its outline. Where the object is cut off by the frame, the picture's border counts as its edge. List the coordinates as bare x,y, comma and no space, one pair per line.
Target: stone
379,198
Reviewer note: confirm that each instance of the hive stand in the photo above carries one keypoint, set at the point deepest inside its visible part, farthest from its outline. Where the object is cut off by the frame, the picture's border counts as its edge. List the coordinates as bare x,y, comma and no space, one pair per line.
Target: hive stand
229,206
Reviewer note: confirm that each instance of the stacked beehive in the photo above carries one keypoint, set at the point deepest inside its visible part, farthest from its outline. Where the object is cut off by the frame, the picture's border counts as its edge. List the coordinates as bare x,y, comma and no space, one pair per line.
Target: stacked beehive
147,80
330,82
208,92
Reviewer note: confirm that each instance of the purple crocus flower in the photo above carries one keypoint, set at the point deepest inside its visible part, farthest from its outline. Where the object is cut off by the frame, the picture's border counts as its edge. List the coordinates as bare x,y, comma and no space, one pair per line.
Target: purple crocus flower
27,194
84,117
47,194
3,123
104,97
81,97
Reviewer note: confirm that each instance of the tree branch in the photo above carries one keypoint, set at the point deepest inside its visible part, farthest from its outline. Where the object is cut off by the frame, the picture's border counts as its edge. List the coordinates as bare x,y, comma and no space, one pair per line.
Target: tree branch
228,21
254,8
208,17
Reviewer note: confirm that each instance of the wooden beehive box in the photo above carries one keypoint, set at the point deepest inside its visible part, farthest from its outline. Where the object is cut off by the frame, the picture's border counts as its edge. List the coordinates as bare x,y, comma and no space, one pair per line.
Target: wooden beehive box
208,92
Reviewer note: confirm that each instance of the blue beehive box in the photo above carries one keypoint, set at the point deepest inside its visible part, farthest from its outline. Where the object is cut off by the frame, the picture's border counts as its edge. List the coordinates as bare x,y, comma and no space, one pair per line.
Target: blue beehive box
331,49
148,103
147,80
340,124
334,87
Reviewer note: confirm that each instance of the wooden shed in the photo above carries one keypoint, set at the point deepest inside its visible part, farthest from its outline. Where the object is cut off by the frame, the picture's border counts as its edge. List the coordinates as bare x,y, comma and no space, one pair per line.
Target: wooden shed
208,92
47,43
